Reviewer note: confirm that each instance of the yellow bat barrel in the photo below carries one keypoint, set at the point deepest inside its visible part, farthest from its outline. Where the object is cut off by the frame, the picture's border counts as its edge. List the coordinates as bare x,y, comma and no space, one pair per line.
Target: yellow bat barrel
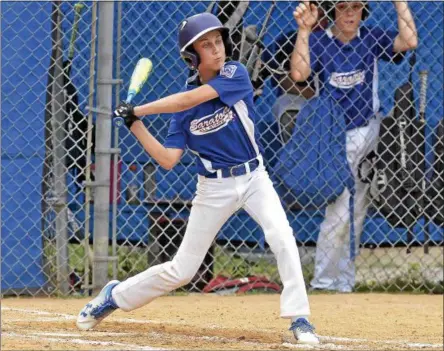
140,74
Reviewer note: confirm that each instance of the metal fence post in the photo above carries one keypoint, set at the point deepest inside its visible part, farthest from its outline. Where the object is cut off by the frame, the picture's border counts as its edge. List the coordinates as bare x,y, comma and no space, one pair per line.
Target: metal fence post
88,256
58,112
116,155
103,142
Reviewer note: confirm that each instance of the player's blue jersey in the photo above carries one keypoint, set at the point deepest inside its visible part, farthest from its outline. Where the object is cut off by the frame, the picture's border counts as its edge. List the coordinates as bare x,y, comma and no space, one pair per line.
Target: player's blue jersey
220,132
349,72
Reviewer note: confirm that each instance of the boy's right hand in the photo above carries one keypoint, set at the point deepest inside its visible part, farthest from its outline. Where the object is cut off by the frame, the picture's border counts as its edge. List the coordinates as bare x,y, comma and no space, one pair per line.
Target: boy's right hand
126,111
306,15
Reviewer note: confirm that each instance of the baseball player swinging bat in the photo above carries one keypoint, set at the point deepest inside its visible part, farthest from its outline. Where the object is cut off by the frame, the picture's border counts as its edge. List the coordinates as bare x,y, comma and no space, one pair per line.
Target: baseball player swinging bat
140,75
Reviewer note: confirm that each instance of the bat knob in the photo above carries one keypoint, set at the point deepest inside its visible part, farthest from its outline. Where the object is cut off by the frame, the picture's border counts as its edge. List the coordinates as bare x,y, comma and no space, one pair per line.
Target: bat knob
79,7
118,121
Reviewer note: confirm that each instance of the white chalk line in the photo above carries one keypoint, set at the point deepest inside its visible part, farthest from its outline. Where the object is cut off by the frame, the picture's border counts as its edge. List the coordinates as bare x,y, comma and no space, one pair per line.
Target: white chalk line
388,342
43,313
287,344
95,333
80,341
58,337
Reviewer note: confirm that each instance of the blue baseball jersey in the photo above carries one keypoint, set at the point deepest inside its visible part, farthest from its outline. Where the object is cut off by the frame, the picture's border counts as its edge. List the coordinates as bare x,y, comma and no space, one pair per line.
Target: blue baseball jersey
349,73
220,132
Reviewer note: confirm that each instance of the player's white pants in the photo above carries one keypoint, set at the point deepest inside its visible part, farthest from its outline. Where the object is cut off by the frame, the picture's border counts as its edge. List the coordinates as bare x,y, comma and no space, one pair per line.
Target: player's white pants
334,270
215,201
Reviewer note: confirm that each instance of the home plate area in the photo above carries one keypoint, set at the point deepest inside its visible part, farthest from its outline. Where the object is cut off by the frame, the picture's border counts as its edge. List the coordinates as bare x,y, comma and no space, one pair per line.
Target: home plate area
238,322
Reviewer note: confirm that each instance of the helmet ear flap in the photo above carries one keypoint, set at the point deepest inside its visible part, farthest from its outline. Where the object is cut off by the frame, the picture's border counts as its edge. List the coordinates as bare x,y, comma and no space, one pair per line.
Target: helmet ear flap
191,59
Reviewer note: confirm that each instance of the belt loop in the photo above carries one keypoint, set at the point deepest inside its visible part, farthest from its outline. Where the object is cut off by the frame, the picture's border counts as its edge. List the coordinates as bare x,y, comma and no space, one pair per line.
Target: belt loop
247,167
219,174
261,160
201,179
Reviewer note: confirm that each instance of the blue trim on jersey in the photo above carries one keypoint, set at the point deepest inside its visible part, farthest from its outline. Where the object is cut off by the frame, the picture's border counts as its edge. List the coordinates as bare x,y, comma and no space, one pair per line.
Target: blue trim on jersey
220,132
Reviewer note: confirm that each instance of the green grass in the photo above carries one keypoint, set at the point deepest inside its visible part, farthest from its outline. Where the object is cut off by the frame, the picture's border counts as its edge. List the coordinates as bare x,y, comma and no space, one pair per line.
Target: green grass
236,267
133,260
412,282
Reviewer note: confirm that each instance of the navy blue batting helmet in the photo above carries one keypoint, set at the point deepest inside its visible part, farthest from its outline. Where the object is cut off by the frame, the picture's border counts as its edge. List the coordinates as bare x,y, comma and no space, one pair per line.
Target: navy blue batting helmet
193,28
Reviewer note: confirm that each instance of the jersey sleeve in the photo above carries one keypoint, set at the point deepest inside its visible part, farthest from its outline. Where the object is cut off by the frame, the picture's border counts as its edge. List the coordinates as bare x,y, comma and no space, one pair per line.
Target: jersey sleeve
176,138
383,41
232,83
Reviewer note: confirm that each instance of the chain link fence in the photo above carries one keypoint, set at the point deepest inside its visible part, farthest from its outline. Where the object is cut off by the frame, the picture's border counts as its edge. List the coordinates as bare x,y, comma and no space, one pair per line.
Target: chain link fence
82,202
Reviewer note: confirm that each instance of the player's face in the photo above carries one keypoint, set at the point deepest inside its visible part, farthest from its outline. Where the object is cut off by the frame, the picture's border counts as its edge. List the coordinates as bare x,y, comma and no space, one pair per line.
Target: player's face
211,51
348,16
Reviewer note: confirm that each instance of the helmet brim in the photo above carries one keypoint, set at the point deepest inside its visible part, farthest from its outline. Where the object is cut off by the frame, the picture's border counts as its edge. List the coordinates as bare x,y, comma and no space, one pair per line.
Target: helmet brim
199,35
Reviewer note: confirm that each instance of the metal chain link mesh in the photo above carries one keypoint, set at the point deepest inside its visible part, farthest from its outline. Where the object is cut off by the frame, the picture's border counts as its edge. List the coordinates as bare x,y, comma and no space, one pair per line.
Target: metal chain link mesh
48,151
46,144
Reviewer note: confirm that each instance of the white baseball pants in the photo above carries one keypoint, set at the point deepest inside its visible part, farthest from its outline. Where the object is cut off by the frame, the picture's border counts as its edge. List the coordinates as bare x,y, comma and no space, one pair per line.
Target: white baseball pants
334,270
215,201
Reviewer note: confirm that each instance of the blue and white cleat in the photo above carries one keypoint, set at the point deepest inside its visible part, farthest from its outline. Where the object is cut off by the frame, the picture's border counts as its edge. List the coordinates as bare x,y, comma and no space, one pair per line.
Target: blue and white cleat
304,332
98,308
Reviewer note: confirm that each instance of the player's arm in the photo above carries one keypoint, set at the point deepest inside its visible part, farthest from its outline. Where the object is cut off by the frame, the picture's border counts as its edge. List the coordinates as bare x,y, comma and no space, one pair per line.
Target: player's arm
166,157
177,102
306,16
407,39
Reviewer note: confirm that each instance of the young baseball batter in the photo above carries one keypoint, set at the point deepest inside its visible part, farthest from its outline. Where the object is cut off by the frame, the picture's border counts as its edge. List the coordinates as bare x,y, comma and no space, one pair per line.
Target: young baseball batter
345,59
215,119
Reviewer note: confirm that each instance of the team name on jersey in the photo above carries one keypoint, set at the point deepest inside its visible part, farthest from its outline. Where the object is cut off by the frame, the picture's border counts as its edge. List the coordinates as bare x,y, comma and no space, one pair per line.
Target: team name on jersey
212,123
347,80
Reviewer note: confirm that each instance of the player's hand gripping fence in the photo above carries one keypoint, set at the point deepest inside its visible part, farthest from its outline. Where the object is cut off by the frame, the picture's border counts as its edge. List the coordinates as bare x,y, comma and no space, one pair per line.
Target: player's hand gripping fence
67,186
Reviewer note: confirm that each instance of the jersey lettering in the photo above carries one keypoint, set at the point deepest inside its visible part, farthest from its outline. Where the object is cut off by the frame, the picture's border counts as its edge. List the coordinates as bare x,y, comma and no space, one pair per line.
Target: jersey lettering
212,123
347,80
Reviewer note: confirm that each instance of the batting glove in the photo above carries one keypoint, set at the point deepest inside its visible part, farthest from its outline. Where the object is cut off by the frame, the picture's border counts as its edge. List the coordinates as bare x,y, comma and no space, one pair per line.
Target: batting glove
126,111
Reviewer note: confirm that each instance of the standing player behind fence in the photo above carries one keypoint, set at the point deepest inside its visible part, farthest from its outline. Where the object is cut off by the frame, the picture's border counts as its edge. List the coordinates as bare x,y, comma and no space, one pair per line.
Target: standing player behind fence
344,56
214,118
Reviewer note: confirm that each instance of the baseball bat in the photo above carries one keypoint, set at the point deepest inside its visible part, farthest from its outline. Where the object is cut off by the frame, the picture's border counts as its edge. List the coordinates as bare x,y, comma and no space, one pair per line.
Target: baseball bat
254,61
423,76
77,11
75,122
140,75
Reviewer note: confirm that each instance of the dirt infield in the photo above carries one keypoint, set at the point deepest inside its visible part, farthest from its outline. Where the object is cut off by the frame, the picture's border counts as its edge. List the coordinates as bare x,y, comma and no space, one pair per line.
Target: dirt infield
344,322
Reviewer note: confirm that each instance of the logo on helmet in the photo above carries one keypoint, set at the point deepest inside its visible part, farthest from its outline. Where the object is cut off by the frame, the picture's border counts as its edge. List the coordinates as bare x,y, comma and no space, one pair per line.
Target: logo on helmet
183,24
